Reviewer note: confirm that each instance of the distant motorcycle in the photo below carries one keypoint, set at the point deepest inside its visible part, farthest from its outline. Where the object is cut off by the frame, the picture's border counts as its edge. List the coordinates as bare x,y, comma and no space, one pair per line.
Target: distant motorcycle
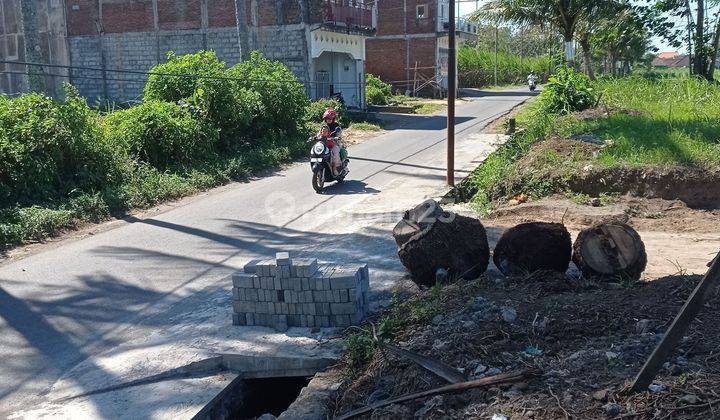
532,83
320,156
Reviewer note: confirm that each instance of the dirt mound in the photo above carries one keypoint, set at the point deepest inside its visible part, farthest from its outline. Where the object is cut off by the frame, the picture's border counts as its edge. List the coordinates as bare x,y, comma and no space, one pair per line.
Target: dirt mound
698,188
558,164
588,339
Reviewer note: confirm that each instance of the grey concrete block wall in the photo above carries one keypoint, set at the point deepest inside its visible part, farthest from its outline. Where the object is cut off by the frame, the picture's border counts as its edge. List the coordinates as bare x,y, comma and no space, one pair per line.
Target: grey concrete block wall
139,51
288,292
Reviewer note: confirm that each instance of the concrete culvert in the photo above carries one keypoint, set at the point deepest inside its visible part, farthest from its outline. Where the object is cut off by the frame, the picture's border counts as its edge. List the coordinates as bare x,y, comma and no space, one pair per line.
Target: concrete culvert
610,251
531,247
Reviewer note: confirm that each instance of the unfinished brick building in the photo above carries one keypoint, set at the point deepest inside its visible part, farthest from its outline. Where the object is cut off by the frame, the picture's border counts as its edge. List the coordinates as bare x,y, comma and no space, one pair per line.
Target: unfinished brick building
321,41
410,46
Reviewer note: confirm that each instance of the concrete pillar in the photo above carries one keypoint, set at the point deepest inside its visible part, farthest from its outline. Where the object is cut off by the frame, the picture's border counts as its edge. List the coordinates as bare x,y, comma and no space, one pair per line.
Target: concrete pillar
33,52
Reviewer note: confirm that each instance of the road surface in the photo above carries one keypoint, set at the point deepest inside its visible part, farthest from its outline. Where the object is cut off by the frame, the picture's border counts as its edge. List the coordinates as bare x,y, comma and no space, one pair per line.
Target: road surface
65,305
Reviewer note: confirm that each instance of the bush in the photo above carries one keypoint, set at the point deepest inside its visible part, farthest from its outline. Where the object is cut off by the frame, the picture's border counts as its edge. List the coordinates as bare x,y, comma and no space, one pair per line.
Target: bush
316,110
377,92
162,134
567,91
229,106
476,67
49,148
281,95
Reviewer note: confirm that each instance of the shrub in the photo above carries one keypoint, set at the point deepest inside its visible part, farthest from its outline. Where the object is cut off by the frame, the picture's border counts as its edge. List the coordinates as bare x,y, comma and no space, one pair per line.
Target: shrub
377,92
161,134
208,90
476,67
48,148
281,95
316,109
567,91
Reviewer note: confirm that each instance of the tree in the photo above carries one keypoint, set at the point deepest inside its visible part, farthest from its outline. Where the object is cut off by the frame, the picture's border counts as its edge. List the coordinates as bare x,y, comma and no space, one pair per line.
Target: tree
701,29
622,38
563,15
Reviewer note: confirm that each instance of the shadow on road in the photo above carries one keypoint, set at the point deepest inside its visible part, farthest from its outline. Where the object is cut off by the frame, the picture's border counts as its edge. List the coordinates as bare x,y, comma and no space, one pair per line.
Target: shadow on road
477,93
393,163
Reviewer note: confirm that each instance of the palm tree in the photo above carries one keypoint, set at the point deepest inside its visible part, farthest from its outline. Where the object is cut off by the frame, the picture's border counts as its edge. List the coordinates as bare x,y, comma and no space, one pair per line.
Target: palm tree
563,15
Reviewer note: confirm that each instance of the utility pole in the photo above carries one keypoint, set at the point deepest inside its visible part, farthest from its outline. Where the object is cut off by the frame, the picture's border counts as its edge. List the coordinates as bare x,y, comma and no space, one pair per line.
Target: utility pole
451,96
36,80
496,52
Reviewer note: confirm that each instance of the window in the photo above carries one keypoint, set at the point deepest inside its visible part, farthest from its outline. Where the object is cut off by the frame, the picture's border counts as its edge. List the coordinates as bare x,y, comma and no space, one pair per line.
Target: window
422,11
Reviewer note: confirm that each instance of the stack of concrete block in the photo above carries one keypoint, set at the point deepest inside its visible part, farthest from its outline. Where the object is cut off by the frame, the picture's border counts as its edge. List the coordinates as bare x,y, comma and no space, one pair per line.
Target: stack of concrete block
287,292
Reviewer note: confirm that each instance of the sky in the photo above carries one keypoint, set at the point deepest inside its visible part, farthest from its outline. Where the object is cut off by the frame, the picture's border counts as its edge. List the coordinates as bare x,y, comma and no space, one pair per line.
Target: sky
467,7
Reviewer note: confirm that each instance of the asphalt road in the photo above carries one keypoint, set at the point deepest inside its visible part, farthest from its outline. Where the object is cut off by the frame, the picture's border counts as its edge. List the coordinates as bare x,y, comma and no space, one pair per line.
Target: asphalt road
70,301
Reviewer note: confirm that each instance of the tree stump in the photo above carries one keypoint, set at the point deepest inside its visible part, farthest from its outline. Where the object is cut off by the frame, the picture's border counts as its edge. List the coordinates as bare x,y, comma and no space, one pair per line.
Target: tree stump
530,247
416,220
611,251
451,242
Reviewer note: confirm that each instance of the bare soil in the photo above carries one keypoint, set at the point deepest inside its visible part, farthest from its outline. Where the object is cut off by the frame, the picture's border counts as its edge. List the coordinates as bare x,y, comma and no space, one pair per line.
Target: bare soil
589,339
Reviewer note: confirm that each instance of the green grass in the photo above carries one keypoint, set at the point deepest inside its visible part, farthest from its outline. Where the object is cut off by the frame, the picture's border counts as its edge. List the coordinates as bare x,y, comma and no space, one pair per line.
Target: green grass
476,68
365,126
429,108
675,121
679,123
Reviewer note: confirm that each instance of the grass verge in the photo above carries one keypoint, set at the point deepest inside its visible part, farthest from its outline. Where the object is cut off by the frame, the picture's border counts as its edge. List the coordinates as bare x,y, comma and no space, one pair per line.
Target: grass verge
641,123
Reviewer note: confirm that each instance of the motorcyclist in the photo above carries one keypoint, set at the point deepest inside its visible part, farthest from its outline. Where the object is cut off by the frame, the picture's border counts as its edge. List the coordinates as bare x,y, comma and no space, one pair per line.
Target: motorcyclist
330,118
532,79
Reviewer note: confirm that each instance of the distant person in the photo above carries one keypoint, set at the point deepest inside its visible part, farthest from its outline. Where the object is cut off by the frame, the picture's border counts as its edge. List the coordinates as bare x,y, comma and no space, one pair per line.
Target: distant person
532,81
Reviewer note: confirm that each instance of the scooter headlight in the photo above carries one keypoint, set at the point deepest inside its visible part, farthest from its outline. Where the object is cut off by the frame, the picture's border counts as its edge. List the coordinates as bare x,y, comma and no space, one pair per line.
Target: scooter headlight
319,148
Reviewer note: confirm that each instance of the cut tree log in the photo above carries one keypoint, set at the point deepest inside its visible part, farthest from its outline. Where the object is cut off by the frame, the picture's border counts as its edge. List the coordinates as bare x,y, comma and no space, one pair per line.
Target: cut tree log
416,220
531,247
611,251
452,242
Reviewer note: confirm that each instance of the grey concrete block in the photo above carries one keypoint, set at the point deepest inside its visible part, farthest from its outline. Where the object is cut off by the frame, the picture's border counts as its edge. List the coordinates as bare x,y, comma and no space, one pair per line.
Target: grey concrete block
251,295
293,320
238,319
271,308
243,280
281,323
343,282
305,283
311,321
352,295
326,283
277,283
256,283
324,321
344,296
283,258
249,319
278,308
283,272
308,309
242,307
342,308
287,296
308,296
251,267
236,294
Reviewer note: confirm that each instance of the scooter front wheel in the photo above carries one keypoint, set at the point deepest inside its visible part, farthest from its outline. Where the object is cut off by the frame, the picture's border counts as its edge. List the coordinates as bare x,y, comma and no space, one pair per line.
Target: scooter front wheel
318,180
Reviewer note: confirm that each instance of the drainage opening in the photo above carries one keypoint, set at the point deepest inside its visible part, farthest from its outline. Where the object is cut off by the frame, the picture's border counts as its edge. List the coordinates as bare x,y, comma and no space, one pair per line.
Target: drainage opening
270,395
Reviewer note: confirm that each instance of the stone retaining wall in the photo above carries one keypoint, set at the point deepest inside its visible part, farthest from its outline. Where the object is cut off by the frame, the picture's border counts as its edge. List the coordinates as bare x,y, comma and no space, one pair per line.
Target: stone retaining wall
287,292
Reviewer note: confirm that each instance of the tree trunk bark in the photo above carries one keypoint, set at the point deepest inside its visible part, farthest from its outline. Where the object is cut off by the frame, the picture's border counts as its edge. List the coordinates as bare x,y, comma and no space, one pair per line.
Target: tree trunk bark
610,251
587,58
700,53
530,247
714,53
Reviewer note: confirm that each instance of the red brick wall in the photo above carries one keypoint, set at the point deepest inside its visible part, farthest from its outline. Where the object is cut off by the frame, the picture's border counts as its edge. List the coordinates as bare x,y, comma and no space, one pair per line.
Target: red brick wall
391,15
266,13
386,58
179,14
423,51
82,20
221,13
123,16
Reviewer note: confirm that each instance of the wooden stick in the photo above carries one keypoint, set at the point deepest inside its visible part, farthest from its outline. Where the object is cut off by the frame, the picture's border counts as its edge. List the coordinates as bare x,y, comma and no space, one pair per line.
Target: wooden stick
678,328
437,367
492,380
